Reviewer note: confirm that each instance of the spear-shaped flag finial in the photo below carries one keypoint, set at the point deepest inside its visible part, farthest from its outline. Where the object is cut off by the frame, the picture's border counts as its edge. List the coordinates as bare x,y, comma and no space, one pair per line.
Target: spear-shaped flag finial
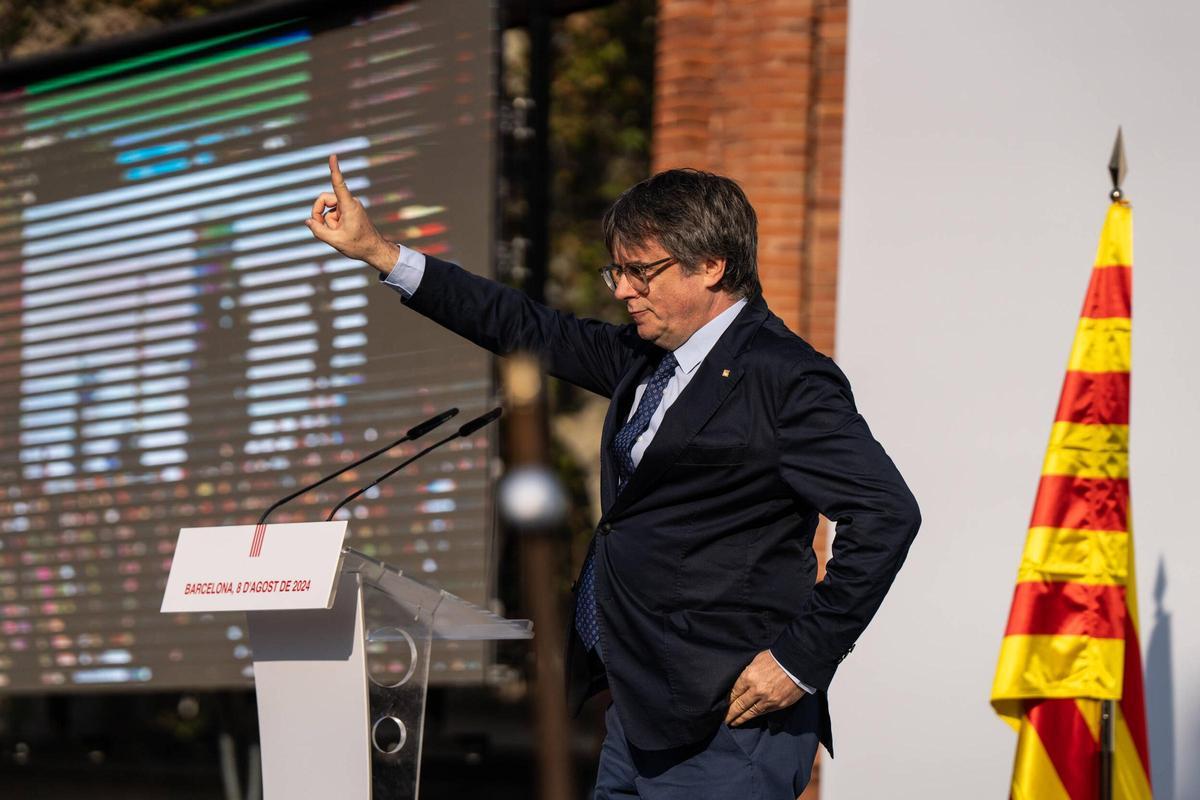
1116,167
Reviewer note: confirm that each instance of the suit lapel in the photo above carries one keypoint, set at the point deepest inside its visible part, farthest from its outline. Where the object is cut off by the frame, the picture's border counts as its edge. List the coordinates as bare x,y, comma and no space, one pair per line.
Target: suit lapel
714,380
683,420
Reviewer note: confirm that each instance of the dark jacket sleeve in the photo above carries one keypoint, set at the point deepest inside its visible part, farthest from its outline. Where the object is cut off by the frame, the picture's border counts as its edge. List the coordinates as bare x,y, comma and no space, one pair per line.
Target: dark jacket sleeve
829,458
586,352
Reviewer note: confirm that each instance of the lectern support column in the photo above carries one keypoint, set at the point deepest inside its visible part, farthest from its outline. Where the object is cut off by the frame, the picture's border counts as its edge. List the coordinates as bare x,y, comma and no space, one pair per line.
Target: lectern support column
309,668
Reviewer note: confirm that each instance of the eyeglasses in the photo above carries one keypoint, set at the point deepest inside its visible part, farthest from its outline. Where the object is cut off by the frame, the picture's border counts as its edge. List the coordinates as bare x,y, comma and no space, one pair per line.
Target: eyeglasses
638,275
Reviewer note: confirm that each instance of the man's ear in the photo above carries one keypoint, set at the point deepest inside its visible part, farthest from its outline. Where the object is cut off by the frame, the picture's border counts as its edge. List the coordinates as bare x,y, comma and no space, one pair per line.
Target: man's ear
713,270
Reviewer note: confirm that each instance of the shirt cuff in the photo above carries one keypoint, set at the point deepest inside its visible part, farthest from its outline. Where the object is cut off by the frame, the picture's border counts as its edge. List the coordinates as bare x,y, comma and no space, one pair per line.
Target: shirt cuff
406,275
808,689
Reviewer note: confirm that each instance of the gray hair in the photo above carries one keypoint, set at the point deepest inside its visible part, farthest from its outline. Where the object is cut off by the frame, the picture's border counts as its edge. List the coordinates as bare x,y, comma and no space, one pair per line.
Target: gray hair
694,216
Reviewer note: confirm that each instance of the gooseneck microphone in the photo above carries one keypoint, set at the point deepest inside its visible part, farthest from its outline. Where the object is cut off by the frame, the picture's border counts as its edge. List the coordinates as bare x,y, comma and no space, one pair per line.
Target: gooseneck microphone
415,432
466,429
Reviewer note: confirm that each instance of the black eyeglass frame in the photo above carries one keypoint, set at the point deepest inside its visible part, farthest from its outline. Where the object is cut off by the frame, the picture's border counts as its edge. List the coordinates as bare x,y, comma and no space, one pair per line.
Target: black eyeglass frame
639,275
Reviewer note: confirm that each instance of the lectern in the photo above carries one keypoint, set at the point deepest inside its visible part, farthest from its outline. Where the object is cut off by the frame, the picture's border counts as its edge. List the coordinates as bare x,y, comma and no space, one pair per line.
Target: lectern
329,729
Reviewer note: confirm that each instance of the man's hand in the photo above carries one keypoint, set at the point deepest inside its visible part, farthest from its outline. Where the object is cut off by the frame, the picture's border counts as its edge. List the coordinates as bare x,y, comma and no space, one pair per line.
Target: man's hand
762,687
339,220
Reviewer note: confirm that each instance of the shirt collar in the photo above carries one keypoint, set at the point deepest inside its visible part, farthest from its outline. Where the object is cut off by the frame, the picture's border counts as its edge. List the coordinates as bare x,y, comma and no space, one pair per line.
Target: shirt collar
689,354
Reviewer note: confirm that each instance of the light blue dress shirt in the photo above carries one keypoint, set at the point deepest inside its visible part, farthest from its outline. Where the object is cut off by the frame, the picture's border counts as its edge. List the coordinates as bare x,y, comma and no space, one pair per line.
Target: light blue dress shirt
406,278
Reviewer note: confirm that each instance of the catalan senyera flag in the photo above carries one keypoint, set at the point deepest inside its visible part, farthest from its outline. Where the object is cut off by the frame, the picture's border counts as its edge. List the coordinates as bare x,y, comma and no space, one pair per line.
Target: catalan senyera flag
1072,635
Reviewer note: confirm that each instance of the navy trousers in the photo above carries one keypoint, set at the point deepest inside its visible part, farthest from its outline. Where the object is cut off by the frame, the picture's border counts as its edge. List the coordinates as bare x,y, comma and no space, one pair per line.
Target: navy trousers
768,758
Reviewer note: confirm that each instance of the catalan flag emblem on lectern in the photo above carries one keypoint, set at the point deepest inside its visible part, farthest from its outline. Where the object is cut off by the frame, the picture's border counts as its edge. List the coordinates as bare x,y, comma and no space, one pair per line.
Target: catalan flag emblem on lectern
1072,638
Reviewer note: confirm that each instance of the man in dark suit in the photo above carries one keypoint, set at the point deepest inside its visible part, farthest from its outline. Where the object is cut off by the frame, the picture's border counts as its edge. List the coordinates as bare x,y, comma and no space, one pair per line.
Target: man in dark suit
727,435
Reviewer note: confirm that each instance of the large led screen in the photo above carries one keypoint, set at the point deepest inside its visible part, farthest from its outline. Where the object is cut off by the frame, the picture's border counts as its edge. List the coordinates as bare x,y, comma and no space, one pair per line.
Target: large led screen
176,350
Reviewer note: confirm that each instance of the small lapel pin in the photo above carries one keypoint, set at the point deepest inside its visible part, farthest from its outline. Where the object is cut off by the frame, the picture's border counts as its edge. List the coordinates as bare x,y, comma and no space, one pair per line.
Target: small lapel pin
724,373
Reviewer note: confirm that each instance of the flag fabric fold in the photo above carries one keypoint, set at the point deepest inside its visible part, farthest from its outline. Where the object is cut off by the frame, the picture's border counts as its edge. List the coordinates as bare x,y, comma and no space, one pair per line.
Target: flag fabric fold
1072,636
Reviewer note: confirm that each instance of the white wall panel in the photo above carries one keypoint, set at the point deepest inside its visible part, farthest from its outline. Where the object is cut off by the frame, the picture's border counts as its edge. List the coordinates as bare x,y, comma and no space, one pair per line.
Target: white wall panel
975,186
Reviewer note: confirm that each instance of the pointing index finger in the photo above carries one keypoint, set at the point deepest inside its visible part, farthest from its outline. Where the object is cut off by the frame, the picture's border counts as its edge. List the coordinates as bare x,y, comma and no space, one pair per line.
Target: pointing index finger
339,183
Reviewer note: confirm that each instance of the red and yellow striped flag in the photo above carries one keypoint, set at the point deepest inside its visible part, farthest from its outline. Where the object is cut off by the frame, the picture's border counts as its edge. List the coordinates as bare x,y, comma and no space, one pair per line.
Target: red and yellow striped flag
1072,636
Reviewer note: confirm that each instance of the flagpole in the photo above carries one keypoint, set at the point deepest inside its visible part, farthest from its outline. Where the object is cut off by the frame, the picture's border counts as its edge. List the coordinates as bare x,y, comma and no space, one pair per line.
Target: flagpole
1116,171
1116,168
1107,747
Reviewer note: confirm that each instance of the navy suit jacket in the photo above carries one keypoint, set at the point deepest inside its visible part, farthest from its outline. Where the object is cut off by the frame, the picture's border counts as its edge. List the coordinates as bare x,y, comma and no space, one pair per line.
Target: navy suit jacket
705,558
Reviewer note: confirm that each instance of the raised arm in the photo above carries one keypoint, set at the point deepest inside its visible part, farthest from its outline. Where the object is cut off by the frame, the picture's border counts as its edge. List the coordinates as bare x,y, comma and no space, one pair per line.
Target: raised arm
588,353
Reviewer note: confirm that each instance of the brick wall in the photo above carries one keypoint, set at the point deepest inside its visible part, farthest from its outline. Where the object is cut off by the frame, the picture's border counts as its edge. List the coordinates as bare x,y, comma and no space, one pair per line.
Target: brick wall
754,89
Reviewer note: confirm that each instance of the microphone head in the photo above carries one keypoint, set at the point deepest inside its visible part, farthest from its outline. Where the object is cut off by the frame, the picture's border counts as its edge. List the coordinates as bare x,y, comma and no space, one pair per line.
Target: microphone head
470,427
417,431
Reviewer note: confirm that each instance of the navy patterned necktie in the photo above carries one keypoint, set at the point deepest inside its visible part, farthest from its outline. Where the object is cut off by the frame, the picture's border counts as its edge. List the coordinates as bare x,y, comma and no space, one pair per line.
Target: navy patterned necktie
585,601
625,439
